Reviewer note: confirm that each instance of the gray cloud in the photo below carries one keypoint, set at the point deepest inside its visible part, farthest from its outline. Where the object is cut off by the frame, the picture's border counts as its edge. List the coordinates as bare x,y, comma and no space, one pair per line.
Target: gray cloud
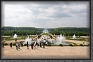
46,14
59,15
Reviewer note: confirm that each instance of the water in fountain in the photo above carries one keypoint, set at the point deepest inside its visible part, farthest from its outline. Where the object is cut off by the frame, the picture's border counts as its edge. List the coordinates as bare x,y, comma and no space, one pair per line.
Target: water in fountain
74,37
50,40
38,40
29,40
60,40
15,36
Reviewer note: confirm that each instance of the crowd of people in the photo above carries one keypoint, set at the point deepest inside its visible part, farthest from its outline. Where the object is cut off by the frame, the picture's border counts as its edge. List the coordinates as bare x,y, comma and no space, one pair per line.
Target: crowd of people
33,45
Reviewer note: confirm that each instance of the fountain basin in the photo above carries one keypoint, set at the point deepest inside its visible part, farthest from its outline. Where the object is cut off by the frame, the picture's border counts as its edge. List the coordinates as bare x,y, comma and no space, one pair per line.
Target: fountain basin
58,43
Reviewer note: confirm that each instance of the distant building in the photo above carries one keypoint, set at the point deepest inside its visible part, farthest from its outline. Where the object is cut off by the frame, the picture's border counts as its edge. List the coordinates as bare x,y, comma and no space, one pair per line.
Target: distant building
45,31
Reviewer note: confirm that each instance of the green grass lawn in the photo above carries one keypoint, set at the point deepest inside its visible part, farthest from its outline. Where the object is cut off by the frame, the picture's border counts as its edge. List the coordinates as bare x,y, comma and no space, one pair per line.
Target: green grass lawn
19,38
23,37
77,38
45,34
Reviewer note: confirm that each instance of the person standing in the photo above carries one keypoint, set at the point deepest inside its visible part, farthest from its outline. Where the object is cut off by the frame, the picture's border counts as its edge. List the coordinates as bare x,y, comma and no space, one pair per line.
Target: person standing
21,44
27,45
11,44
35,44
16,40
16,46
3,44
83,43
32,45
44,43
41,44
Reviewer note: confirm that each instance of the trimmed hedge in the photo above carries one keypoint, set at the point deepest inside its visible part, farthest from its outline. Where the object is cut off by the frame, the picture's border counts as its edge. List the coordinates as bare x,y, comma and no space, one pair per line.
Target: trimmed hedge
14,44
5,43
25,44
60,44
49,45
81,45
71,45
75,44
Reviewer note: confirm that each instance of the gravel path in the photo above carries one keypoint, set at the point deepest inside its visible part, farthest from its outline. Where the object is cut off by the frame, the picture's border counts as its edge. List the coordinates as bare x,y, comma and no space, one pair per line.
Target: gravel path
52,52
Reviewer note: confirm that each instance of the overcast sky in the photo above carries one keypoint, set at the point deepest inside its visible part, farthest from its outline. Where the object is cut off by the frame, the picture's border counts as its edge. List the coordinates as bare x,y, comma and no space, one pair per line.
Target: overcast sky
45,14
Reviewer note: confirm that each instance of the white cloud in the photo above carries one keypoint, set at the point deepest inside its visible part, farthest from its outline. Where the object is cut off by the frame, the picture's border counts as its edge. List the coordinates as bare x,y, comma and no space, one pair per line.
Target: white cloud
48,15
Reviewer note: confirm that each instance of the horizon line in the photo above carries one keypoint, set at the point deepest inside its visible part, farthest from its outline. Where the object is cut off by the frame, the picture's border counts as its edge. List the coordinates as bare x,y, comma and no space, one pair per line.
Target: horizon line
45,27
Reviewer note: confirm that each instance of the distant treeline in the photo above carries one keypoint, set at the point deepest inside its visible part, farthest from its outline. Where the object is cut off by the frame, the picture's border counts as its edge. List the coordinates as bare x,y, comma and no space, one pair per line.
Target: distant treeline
33,31
21,30
70,31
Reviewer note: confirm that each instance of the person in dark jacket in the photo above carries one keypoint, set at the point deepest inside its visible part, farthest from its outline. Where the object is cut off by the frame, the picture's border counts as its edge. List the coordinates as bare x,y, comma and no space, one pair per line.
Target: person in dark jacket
41,44
44,41
11,44
32,45
37,44
21,43
27,45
